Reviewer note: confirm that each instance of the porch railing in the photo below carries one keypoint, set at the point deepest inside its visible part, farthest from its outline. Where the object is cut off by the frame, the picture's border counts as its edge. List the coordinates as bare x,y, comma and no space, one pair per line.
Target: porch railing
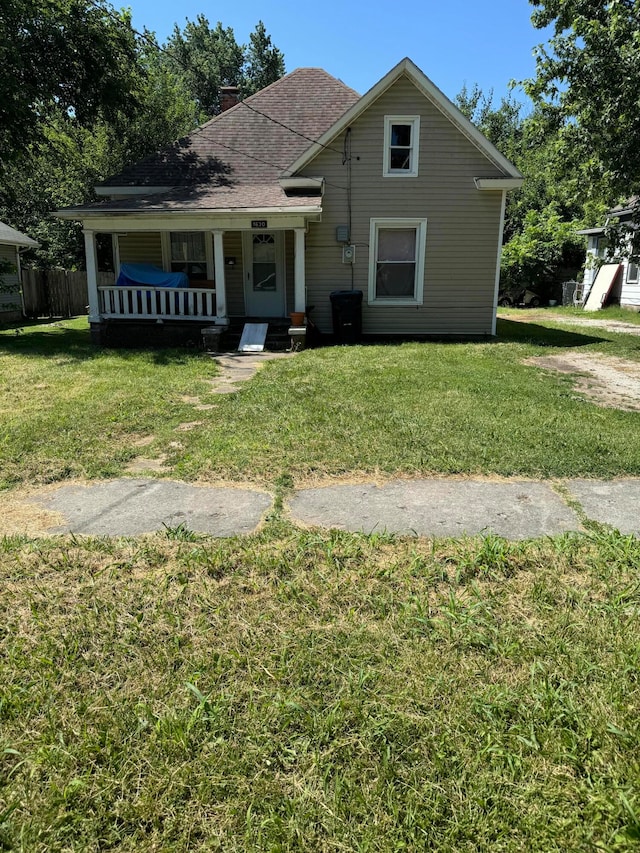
157,303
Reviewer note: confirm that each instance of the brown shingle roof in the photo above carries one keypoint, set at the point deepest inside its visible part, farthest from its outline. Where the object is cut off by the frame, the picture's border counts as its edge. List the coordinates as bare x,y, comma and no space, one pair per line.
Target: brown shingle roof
242,146
243,197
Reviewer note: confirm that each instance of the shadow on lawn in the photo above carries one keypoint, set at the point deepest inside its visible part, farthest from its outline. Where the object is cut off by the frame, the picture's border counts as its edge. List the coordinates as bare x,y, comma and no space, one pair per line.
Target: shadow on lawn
39,339
532,333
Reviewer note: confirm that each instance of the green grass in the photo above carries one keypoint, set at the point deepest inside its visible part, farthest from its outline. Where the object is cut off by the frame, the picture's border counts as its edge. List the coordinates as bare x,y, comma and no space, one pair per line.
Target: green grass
70,410
611,313
316,691
319,692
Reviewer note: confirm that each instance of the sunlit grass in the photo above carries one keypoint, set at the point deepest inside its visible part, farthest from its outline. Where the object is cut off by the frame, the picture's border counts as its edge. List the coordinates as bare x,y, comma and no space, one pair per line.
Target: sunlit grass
71,410
319,691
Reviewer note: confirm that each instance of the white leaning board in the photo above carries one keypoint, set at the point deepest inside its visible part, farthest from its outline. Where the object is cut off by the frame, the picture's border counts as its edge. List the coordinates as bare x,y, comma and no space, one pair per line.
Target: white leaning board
253,337
601,286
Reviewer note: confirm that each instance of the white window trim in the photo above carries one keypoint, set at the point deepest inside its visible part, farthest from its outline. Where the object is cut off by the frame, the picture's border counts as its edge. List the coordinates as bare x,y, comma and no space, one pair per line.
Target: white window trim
421,242
637,276
414,121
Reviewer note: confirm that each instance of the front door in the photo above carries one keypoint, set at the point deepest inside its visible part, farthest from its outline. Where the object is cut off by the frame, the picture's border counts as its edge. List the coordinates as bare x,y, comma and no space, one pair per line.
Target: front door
263,273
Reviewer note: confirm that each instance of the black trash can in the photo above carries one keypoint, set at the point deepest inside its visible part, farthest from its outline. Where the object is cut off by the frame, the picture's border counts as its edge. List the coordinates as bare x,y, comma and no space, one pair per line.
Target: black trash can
346,310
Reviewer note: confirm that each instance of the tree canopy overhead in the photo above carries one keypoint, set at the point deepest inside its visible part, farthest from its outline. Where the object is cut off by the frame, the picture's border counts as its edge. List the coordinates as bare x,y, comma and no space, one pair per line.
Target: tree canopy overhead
588,80
72,57
82,94
207,58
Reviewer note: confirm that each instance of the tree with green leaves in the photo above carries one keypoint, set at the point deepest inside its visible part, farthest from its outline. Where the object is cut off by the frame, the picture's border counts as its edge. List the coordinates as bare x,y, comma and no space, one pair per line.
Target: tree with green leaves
264,63
62,131
74,58
206,58
541,247
587,86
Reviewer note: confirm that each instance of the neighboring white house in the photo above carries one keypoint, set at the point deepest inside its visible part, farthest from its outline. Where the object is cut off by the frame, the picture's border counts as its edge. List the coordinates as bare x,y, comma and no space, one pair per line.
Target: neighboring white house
626,289
11,241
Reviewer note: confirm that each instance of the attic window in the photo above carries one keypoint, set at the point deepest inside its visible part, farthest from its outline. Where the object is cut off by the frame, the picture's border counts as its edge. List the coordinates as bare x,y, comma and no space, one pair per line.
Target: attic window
401,146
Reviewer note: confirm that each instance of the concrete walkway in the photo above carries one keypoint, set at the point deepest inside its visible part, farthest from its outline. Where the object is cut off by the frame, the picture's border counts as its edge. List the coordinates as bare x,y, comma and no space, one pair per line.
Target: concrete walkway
515,509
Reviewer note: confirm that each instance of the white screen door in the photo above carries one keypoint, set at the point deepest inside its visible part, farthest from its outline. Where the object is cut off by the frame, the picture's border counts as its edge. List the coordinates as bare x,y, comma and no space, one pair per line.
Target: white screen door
263,273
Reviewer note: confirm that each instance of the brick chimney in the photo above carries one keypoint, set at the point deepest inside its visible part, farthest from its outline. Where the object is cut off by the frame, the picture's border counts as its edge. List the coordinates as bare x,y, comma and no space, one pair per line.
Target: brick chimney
229,97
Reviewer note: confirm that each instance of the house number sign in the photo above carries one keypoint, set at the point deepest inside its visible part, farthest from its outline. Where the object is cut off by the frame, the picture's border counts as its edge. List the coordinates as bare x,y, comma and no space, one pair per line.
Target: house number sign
258,223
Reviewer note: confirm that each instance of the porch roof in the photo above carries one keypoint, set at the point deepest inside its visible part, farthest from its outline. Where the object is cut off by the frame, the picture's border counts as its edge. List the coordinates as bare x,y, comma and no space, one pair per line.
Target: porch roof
247,198
234,161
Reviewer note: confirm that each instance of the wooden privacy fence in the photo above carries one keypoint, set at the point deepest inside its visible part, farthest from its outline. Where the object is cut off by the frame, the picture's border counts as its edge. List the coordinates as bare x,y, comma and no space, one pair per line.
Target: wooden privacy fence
57,293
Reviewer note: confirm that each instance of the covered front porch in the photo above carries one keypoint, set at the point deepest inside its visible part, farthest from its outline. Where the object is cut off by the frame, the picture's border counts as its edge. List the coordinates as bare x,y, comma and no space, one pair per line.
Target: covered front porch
234,267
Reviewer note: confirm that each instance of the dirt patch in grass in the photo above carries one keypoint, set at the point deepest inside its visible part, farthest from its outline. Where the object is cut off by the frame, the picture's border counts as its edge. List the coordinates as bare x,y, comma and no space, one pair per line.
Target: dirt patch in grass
589,322
595,323
607,381
143,463
20,517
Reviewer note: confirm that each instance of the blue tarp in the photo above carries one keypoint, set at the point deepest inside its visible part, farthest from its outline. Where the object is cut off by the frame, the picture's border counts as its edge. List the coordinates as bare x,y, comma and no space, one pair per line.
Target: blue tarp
133,275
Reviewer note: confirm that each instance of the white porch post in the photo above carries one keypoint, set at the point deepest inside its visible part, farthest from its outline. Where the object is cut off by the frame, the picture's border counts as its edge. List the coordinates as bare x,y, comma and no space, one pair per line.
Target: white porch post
222,317
92,275
300,290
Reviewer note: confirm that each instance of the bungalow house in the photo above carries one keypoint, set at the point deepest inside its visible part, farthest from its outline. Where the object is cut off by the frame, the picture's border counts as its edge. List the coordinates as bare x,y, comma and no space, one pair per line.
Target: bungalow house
304,188
11,242
626,288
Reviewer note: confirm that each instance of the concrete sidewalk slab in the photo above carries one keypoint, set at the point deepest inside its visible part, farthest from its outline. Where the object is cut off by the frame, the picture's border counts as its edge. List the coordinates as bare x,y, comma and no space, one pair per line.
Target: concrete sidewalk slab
614,502
438,507
128,507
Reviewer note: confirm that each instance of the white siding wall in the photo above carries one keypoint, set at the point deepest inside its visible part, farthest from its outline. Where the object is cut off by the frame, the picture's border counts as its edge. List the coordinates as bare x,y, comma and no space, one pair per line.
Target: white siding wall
628,292
462,227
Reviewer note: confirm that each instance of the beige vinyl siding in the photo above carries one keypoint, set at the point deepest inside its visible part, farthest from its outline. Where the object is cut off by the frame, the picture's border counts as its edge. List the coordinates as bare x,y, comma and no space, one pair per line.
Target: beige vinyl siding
141,248
234,276
462,222
146,248
9,301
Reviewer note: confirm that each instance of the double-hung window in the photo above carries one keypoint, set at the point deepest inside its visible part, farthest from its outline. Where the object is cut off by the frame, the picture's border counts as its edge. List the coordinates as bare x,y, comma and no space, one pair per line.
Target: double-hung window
632,272
401,146
189,254
396,261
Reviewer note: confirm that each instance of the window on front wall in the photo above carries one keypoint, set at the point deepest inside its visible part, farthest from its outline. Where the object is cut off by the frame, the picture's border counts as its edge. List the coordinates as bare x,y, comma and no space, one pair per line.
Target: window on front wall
189,254
401,146
396,261
632,272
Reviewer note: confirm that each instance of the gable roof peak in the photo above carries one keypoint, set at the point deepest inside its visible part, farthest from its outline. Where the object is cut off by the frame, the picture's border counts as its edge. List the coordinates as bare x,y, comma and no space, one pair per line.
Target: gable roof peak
406,67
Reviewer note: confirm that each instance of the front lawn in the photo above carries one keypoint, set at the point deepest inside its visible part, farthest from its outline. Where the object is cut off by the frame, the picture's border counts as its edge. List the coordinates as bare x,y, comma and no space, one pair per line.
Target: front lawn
71,410
316,690
319,691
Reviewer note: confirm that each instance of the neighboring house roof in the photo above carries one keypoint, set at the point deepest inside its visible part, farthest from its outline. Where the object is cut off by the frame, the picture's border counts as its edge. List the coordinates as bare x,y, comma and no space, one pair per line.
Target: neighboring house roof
627,207
10,237
622,212
240,159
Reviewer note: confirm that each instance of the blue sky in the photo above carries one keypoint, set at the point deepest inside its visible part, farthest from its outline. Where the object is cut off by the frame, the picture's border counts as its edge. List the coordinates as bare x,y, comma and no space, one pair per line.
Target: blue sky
453,42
